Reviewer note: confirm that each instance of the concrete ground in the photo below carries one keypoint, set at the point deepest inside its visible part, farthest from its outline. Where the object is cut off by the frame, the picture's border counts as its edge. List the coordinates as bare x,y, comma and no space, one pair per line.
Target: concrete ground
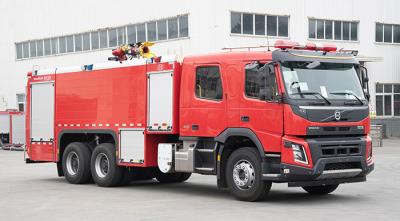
34,192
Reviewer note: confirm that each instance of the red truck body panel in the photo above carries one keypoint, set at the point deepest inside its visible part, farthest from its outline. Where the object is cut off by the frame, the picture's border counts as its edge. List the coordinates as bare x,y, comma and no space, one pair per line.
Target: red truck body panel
105,99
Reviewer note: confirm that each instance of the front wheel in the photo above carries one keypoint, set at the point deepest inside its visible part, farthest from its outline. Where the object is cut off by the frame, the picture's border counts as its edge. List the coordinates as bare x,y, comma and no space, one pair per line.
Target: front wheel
243,175
320,190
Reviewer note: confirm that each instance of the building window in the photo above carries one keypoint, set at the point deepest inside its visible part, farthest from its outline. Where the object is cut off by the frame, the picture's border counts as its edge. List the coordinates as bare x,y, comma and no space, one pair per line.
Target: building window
21,102
39,46
172,28
141,32
121,35
183,26
54,46
164,29
86,41
131,29
70,43
47,47
387,99
387,33
112,38
62,44
32,49
19,50
330,29
258,24
94,40
152,31
25,48
78,42
208,83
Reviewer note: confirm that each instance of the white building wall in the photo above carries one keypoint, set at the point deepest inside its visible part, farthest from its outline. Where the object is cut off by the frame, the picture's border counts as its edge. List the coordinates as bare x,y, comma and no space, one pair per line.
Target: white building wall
209,29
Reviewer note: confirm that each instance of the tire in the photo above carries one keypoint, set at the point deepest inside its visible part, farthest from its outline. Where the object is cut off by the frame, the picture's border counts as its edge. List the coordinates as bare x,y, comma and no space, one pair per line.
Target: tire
184,177
320,190
105,171
177,177
243,175
76,163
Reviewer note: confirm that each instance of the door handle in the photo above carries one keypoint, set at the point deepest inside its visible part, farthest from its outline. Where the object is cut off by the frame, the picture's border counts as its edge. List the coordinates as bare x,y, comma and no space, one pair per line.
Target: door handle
195,127
245,118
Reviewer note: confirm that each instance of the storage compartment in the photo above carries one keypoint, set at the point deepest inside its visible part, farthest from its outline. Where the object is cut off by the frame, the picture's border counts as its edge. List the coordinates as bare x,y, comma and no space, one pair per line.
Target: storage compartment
42,111
160,101
131,145
18,129
4,123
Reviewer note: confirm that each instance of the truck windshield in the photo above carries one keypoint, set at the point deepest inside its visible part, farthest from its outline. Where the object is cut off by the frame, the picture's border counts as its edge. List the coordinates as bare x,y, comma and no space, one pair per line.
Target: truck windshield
331,80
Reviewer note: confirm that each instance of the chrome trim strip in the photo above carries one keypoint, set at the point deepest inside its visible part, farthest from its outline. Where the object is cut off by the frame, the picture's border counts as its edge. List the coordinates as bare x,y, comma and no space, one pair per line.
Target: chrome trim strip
342,171
333,107
271,175
272,155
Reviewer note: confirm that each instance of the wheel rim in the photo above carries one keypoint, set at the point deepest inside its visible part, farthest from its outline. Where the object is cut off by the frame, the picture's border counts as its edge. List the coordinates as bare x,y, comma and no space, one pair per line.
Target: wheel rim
102,165
72,163
243,175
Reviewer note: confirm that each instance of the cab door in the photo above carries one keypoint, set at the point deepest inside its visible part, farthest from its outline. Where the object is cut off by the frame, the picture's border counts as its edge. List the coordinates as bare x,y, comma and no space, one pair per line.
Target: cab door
260,109
203,110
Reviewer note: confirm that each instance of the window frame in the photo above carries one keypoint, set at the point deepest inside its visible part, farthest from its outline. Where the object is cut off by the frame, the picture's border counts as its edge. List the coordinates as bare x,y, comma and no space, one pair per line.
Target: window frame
383,94
254,14
220,76
334,21
99,34
392,25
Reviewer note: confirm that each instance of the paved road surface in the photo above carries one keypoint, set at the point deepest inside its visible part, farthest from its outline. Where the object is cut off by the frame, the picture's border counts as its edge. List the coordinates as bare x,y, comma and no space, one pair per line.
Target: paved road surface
34,192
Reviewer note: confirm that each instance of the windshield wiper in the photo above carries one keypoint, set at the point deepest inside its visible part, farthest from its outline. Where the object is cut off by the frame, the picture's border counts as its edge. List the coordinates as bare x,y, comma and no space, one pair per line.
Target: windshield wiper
313,93
348,93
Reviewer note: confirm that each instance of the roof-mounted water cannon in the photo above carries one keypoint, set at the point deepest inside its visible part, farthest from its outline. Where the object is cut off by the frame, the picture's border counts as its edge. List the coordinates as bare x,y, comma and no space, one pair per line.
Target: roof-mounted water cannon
130,51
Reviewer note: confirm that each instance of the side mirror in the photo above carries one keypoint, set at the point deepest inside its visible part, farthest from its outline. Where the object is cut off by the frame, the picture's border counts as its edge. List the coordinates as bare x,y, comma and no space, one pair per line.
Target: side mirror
367,95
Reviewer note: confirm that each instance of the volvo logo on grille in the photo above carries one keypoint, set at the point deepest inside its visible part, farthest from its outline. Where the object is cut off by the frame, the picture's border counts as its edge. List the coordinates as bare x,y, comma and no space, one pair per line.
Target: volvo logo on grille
337,115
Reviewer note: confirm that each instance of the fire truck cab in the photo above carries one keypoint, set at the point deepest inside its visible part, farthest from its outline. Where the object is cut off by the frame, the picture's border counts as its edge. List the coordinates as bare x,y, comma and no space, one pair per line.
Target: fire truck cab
298,114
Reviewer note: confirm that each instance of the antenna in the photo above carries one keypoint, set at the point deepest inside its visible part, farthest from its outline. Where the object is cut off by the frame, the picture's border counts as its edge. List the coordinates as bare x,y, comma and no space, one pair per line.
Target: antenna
268,43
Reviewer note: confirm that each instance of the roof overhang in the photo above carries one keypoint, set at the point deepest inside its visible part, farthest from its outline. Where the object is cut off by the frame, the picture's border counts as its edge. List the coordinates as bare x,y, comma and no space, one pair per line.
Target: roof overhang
363,58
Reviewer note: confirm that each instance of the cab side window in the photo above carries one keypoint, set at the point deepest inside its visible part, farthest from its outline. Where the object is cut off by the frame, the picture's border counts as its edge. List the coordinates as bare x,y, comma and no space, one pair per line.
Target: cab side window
208,83
259,87
252,88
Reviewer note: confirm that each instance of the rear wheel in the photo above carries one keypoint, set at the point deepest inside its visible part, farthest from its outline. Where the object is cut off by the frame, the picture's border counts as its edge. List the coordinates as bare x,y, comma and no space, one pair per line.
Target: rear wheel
243,175
76,163
320,190
177,177
105,171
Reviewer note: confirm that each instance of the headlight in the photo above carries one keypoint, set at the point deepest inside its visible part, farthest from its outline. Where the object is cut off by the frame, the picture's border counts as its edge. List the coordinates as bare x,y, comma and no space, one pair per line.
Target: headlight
299,153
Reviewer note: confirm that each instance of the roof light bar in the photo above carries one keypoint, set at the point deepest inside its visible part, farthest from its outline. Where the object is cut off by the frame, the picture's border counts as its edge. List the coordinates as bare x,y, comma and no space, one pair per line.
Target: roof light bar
285,44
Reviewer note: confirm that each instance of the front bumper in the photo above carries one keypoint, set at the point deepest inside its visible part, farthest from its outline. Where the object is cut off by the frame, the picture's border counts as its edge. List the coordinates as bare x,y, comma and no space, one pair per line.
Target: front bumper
327,169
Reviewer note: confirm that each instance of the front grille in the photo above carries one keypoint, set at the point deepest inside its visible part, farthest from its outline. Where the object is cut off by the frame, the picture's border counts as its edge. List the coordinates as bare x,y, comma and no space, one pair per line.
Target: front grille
332,129
339,150
343,166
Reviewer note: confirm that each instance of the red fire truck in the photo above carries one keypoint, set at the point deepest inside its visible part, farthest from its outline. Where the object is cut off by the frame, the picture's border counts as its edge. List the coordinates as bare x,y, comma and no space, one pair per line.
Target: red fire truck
12,128
298,115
